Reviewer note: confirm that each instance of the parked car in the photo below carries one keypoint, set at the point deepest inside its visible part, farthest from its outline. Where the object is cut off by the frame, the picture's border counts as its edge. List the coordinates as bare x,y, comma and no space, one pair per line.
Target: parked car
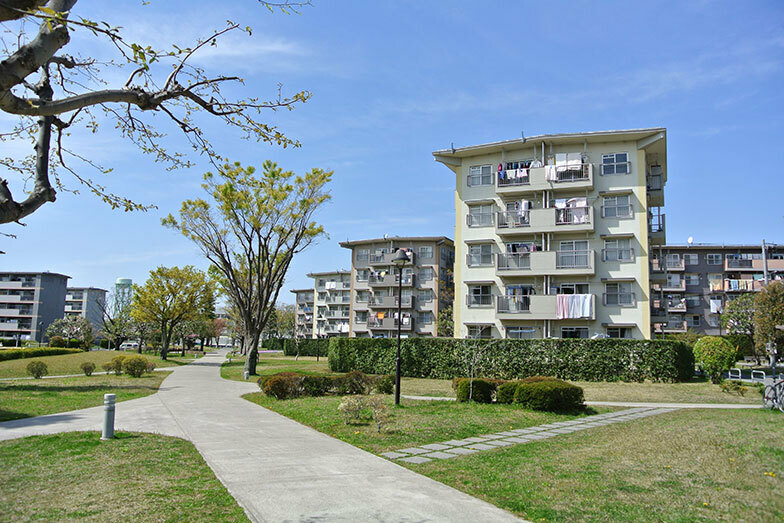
129,345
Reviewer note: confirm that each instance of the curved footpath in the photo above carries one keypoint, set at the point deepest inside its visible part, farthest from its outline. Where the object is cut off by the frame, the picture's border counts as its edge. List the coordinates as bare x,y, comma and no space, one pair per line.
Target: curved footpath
276,468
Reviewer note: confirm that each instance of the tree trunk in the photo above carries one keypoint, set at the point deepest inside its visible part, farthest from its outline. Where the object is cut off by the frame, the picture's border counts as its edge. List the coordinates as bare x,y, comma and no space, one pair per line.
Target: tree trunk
165,336
251,346
139,348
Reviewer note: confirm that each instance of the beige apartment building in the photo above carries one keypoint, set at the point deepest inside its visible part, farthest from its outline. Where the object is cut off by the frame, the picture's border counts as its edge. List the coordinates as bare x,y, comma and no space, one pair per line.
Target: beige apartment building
427,283
553,234
303,308
323,311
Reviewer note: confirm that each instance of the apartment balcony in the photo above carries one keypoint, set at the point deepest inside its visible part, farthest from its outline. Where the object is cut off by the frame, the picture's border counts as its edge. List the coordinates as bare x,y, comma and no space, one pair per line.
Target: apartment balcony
305,299
13,285
386,259
71,308
655,189
566,263
534,180
676,306
731,285
336,314
669,286
334,286
673,327
656,230
535,221
337,300
15,298
390,323
12,312
658,265
536,307
390,280
387,302
659,314
752,265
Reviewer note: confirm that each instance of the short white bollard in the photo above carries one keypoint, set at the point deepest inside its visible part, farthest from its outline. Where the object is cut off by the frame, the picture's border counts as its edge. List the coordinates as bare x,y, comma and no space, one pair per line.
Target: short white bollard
246,374
108,416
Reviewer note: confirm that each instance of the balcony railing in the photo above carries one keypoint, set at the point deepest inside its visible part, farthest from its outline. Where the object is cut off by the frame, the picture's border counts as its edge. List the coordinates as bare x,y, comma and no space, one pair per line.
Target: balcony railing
739,263
731,285
514,261
618,255
390,301
512,304
515,177
573,259
672,265
338,299
512,219
655,182
621,299
479,300
572,216
374,322
479,219
390,279
479,260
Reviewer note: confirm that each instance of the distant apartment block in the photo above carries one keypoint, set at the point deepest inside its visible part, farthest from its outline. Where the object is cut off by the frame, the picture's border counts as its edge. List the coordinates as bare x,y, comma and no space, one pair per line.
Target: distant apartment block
553,234
332,299
29,302
304,312
427,283
693,284
87,302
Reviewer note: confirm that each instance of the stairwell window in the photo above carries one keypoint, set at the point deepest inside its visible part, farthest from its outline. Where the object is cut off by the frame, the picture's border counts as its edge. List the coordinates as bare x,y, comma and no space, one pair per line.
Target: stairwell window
617,207
619,293
362,255
480,175
713,259
691,259
618,250
574,332
615,163
692,279
480,215
480,296
480,255
619,332
480,331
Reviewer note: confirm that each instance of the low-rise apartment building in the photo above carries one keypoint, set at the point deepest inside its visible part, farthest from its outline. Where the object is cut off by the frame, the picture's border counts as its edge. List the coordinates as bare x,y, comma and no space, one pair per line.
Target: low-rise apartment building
693,283
427,285
29,302
553,233
332,299
87,302
303,308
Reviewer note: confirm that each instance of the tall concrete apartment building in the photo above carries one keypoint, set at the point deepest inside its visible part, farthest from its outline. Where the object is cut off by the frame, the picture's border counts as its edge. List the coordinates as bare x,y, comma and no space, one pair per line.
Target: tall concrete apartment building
29,302
693,284
427,283
87,302
304,311
553,233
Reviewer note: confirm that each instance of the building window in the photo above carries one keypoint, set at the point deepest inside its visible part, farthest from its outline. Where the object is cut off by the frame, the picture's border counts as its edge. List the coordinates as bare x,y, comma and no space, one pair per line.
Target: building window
691,259
674,281
574,332
619,332
520,333
573,254
692,279
362,255
617,207
480,296
480,215
693,320
480,331
619,293
425,253
618,250
715,282
615,163
480,255
572,288
424,295
424,317
693,300
426,274
360,316
713,259
480,175
713,321
363,296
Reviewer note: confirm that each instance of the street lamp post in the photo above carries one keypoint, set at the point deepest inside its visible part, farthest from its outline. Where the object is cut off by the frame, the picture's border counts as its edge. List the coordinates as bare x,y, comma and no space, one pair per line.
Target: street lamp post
400,259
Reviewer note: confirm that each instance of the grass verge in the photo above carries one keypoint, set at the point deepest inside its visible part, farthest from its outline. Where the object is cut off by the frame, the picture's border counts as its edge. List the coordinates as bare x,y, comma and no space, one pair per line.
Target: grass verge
273,363
26,398
136,477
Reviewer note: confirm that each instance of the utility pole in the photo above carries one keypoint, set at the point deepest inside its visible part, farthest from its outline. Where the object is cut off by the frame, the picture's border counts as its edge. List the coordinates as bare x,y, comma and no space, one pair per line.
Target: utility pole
764,263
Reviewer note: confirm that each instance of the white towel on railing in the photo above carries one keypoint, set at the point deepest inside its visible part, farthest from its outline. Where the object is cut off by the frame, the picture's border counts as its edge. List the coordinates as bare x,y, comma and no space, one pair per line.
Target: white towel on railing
549,173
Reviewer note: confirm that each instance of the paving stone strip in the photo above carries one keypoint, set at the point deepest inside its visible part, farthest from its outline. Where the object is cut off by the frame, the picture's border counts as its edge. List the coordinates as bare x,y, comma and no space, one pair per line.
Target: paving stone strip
458,447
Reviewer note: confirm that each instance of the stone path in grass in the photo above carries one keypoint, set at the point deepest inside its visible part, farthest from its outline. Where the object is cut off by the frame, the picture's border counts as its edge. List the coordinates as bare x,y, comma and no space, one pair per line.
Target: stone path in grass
454,448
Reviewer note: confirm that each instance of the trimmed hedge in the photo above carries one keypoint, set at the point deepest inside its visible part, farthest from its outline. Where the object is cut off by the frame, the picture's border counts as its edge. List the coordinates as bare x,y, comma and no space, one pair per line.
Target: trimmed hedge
549,395
18,354
285,385
307,346
481,390
570,359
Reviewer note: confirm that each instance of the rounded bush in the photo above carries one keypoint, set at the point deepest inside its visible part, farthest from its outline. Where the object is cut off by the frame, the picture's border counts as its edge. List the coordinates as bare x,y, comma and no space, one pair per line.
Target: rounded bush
87,367
316,385
551,395
264,379
115,365
506,392
57,341
481,391
135,366
283,387
385,384
37,369
355,382
716,355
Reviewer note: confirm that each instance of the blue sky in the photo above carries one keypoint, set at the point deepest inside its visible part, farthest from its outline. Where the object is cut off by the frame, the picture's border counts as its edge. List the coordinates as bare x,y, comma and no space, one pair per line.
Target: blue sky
393,81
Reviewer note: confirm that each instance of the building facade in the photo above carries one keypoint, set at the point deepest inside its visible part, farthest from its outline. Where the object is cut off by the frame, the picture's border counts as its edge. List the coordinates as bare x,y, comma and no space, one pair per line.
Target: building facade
29,302
331,303
427,285
553,234
303,307
88,302
693,283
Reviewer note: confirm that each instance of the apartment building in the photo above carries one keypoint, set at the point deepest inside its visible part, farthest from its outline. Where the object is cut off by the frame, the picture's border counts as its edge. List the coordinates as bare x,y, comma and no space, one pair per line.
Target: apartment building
427,282
304,312
88,302
693,283
29,302
553,233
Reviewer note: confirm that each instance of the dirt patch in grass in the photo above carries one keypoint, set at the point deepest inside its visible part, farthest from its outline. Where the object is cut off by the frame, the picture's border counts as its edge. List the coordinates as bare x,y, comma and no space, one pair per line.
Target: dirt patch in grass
136,477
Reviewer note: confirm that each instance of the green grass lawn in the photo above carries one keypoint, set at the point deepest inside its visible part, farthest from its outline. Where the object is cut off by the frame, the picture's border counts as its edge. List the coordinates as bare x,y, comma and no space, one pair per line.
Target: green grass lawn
274,363
69,363
414,423
26,398
689,465
136,477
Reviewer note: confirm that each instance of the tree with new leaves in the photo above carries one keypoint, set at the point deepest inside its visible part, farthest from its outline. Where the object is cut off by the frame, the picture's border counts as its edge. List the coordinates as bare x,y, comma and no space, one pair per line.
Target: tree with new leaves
286,316
53,90
117,324
250,230
738,316
768,314
170,297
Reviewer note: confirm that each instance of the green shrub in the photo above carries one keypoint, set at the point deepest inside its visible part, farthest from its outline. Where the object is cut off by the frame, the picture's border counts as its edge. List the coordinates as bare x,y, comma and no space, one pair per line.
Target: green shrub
385,384
262,380
508,359
734,387
17,354
56,341
115,365
135,366
552,396
317,385
355,382
283,387
716,355
480,391
87,367
506,392
535,379
744,345
307,346
37,369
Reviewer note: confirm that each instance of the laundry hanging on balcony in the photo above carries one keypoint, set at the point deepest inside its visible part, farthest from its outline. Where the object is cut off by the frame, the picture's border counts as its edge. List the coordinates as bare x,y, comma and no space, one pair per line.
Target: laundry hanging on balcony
716,307
573,306
331,285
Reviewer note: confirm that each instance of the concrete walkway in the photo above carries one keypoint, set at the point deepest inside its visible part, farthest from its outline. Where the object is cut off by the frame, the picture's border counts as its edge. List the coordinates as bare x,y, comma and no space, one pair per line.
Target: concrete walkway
630,404
276,468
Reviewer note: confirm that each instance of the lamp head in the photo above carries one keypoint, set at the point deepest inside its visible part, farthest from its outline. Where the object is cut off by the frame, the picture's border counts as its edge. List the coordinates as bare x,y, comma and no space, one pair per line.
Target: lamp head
400,258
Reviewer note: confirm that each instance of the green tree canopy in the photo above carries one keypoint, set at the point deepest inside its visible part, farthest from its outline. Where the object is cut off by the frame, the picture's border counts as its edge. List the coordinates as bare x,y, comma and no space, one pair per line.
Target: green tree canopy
769,313
74,328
